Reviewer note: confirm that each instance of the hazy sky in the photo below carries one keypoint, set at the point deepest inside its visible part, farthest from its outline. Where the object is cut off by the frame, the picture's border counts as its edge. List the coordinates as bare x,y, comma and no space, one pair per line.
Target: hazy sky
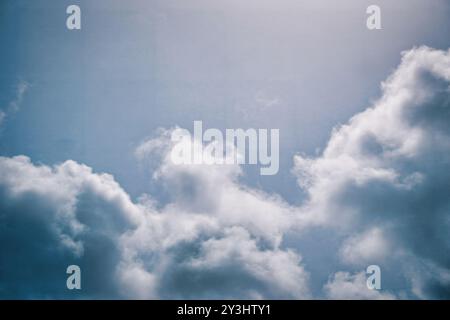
95,94
304,67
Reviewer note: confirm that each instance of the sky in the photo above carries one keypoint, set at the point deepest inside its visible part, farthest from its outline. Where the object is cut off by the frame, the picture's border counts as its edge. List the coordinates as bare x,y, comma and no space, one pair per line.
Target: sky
363,117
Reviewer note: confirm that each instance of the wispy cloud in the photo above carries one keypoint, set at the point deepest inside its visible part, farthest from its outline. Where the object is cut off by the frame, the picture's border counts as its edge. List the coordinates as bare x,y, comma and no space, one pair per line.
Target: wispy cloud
21,88
15,104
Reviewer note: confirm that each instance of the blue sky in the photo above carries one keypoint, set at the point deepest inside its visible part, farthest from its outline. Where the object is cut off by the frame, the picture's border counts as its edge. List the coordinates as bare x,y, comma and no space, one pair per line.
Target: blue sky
94,95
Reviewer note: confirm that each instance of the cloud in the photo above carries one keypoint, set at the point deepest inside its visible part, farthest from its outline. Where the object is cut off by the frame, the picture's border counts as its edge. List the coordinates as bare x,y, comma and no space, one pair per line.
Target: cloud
66,214
265,102
216,237
383,178
346,286
54,217
216,191
369,246
236,263
2,117
21,88
14,105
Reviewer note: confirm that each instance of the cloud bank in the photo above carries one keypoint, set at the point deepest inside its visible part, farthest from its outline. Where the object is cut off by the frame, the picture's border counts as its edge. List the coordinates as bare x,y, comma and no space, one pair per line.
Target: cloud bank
211,246
382,184
384,177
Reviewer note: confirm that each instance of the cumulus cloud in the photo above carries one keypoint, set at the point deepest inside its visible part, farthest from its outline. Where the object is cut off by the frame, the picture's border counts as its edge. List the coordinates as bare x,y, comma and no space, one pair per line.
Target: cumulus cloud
384,177
217,237
216,191
55,216
365,248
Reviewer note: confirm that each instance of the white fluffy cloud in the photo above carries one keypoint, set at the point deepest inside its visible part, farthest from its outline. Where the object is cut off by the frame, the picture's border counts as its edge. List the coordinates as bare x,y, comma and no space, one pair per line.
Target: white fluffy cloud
216,237
365,248
384,177
67,214
215,191
54,216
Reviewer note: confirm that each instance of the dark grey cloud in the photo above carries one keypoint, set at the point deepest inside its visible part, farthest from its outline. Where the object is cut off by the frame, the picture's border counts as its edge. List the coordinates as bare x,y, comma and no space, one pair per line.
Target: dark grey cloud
55,217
